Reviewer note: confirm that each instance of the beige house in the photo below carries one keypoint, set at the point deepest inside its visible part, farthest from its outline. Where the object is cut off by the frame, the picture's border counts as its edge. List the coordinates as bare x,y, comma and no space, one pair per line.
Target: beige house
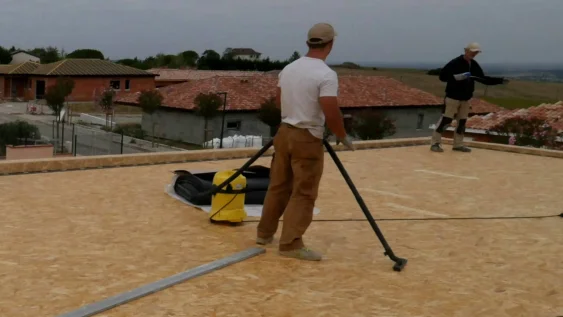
20,57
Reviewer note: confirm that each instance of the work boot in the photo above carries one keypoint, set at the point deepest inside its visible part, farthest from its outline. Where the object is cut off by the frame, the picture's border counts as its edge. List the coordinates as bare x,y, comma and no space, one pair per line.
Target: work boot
264,241
436,148
302,254
462,148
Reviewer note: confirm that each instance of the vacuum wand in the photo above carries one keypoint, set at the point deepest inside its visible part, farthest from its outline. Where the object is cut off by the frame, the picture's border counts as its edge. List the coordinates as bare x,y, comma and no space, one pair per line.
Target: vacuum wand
216,189
399,262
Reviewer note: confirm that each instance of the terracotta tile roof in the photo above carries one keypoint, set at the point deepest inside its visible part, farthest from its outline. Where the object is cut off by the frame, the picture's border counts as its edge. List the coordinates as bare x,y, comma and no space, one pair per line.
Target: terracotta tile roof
193,74
552,112
480,106
244,51
19,69
247,93
373,91
5,69
88,67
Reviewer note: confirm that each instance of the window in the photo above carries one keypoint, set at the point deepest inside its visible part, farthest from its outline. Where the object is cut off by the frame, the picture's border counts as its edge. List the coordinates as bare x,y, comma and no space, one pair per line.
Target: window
233,125
127,84
115,84
420,121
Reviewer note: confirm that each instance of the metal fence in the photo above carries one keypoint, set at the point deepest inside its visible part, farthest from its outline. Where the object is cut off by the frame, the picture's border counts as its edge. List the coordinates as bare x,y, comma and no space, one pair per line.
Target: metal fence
80,140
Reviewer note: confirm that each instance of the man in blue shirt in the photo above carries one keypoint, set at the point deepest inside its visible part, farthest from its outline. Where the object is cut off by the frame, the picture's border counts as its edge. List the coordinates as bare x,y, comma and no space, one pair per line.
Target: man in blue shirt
460,75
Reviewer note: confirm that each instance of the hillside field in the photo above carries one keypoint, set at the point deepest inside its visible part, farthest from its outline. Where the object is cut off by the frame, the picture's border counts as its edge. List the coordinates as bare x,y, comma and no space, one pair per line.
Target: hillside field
517,94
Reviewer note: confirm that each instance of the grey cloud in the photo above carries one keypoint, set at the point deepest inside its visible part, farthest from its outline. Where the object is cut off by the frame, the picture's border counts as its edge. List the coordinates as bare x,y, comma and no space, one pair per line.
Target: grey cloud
369,30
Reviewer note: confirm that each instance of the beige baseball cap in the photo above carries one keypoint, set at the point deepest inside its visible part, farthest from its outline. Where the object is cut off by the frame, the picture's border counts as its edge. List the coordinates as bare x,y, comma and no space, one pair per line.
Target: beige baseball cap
321,33
473,47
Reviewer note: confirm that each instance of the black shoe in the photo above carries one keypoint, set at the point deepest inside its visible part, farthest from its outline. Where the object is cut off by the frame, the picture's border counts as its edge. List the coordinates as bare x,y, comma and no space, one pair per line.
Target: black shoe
462,149
436,148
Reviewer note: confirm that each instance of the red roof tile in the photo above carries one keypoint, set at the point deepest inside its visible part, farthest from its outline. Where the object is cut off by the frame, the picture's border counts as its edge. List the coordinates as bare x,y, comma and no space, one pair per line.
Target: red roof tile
479,106
553,113
244,51
193,74
249,92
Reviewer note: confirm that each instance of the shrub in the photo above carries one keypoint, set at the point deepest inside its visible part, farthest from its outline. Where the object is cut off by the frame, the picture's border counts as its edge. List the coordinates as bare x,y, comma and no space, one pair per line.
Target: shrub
531,131
372,125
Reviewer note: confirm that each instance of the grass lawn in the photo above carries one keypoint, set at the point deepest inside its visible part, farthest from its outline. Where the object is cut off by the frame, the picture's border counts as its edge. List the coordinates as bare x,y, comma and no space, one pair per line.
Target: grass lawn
517,94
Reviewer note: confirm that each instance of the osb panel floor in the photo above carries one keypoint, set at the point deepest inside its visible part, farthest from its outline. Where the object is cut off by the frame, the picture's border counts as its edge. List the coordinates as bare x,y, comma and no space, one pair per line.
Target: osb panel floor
74,238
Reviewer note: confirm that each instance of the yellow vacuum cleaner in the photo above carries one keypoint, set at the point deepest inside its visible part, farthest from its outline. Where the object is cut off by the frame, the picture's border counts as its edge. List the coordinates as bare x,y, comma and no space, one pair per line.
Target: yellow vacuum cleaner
227,204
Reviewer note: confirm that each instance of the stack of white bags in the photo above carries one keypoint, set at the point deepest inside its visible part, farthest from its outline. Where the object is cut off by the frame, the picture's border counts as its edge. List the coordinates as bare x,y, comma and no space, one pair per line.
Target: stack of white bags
236,141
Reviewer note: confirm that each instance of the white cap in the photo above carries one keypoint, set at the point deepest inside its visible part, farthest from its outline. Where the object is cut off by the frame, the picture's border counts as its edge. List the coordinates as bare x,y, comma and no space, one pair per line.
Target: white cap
473,47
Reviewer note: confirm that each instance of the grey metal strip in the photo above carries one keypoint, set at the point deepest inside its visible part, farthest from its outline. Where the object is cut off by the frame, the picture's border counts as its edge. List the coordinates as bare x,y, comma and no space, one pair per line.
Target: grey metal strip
112,302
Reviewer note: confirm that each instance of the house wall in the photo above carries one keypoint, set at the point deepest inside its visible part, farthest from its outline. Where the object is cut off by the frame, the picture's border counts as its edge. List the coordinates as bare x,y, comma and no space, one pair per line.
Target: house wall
406,119
22,58
248,57
2,87
84,87
188,127
28,152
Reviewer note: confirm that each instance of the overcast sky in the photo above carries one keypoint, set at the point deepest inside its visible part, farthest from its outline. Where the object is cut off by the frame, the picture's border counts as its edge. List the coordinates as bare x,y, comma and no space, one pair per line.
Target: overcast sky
369,30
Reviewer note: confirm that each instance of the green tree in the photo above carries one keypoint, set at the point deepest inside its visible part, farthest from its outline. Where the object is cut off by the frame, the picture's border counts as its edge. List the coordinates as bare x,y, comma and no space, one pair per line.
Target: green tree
190,58
207,106
105,99
150,101
56,96
47,55
86,53
5,56
15,133
372,125
210,59
270,114
295,56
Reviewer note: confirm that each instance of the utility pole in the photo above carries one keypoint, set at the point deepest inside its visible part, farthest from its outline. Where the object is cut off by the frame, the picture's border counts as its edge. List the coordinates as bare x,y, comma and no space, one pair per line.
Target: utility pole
223,120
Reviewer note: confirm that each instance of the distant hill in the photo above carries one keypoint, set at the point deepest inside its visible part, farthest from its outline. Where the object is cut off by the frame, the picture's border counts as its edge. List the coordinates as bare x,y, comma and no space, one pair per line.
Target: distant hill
520,93
530,71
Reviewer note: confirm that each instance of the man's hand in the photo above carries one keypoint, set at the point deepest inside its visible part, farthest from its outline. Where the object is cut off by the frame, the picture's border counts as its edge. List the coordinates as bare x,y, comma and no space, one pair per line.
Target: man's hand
462,76
347,141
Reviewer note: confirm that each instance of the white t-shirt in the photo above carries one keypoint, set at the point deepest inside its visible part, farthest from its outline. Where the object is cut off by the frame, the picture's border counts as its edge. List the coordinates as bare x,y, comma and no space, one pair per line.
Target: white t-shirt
302,82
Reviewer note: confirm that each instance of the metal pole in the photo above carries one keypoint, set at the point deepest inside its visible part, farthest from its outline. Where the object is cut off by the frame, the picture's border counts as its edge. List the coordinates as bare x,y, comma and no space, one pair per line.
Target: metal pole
75,144
121,142
223,121
63,137
74,138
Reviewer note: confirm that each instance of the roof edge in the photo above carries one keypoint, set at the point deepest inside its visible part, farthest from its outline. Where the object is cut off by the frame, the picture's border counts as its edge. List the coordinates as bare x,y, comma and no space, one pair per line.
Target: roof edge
126,160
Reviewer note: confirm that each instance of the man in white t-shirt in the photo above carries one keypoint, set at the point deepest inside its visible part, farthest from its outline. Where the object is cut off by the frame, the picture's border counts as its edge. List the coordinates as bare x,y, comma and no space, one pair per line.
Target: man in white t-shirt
307,94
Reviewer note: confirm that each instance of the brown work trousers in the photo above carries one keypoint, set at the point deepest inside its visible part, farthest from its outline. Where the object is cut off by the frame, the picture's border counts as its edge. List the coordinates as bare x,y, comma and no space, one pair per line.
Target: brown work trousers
296,171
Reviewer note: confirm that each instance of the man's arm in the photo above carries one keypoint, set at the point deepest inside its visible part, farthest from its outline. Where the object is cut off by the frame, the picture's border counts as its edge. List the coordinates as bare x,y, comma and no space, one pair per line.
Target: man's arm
477,71
278,98
447,74
328,99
